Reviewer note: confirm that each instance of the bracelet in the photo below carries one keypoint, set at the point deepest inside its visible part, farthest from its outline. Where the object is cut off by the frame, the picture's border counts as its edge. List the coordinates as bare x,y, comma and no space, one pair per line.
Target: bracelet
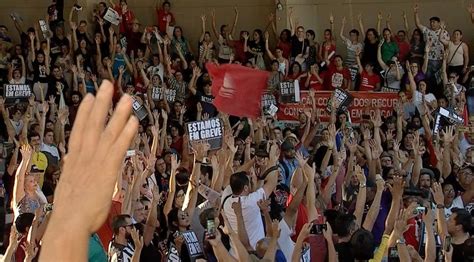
362,185
440,206
198,161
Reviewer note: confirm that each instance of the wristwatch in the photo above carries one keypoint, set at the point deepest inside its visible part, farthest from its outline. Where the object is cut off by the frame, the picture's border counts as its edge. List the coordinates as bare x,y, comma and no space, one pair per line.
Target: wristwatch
362,185
400,241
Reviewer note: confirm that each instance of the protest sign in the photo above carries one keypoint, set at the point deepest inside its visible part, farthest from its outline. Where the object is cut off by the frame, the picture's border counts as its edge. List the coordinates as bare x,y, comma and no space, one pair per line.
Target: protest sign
16,93
362,101
446,117
210,130
192,242
306,254
169,94
112,16
341,99
289,91
44,29
268,99
173,254
139,110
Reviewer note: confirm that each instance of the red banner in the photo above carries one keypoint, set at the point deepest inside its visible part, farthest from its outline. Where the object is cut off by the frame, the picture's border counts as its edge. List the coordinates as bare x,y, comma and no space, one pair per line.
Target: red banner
362,102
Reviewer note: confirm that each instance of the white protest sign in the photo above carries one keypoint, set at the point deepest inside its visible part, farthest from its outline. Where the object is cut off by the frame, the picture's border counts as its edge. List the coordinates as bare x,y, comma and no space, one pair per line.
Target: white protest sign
112,16
210,130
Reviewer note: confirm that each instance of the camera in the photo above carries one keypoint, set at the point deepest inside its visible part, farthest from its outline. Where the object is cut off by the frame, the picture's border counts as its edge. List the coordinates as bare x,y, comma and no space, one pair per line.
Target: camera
317,229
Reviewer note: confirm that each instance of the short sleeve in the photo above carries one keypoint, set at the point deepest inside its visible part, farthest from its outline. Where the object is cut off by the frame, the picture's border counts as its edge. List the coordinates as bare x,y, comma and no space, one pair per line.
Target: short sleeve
256,196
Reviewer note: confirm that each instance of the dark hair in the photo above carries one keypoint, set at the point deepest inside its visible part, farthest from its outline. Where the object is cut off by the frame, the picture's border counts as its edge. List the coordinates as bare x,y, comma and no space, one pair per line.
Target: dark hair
23,222
47,130
174,32
166,3
435,18
462,218
376,34
259,32
457,30
354,31
331,216
173,219
362,245
119,221
344,222
422,39
291,67
238,181
287,32
31,135
311,32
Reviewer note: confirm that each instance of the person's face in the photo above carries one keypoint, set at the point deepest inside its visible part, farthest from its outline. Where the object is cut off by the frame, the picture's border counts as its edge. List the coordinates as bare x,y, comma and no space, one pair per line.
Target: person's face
387,35
370,36
342,118
290,153
65,49
82,27
161,166
49,138
354,37
256,36
179,198
284,35
369,68
414,68
30,183
40,58
425,181
386,162
177,107
139,212
416,122
183,219
174,132
135,27
102,7
178,32
401,36
35,141
434,25
296,69
452,227
278,134
16,74
309,36
408,141
453,78
118,48
448,191
207,89
127,229
457,36
57,73
207,37
166,7
325,135
300,32
354,180
75,99
338,62
18,50
402,96
279,53
240,146
179,76
302,118
327,35
3,30
275,67
83,44
416,35
465,178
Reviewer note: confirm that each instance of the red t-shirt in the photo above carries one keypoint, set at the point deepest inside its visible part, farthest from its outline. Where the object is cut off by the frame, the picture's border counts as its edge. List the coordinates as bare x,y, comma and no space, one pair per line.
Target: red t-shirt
162,19
106,232
314,82
368,82
403,49
286,48
335,78
239,53
127,18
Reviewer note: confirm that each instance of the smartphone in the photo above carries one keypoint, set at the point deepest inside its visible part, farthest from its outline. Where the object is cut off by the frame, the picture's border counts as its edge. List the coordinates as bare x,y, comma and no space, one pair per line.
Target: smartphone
393,254
317,229
211,228
447,243
131,153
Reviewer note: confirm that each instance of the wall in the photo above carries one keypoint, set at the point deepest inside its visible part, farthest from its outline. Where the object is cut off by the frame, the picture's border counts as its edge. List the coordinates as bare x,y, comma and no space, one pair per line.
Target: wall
312,14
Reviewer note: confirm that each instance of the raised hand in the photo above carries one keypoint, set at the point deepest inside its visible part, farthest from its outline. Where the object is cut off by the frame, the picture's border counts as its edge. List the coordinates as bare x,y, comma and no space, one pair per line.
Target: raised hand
437,193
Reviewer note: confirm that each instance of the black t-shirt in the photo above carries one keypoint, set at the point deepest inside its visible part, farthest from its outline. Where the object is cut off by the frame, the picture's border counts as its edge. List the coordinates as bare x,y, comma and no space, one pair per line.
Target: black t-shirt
206,103
39,72
344,252
297,46
52,89
256,47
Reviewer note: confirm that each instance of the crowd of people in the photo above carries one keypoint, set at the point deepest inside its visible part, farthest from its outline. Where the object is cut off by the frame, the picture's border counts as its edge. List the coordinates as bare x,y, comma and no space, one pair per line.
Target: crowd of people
84,180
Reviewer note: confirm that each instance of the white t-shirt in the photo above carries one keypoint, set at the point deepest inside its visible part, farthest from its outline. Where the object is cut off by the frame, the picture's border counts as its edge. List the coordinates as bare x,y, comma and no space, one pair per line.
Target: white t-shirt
50,149
250,211
284,241
457,202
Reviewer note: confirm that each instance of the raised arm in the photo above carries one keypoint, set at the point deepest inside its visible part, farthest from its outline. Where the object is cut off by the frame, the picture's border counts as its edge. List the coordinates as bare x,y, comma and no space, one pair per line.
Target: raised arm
375,207
19,186
379,21
417,17
341,34
269,53
213,24
292,22
236,19
361,196
405,23
379,55
359,64
361,25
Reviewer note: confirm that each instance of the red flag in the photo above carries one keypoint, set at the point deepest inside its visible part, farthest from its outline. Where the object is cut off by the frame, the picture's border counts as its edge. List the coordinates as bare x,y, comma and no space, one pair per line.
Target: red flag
237,89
